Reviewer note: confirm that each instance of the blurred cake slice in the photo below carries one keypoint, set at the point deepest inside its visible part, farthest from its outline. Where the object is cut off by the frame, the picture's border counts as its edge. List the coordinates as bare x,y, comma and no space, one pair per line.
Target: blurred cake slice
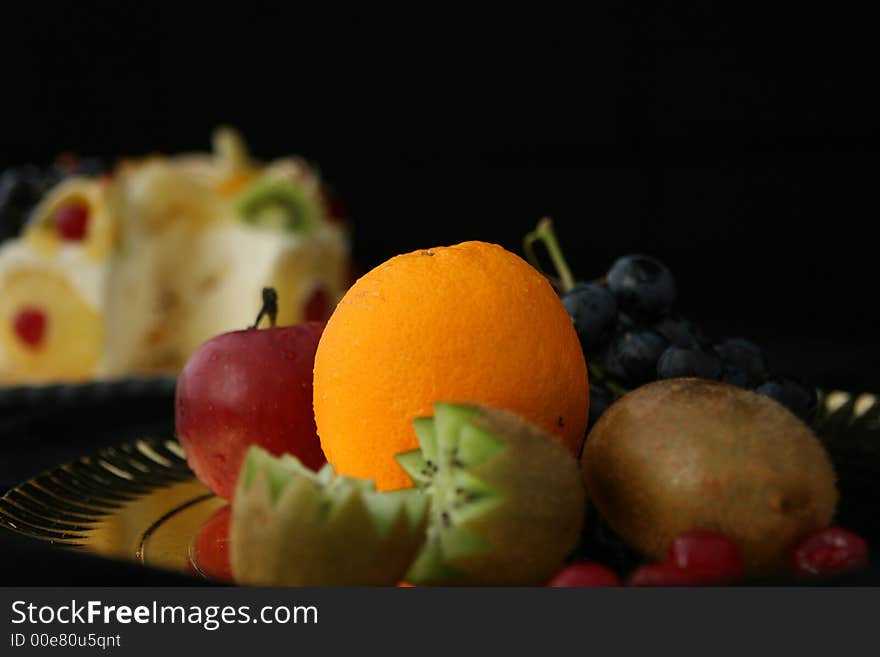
53,285
129,274
51,312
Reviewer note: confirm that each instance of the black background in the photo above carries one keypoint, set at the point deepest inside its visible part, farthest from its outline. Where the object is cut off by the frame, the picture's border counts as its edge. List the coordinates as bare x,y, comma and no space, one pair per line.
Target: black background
739,147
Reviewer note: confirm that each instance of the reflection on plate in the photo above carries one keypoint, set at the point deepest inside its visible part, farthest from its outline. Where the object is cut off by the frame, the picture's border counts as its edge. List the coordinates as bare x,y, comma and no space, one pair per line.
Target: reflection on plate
141,501
138,501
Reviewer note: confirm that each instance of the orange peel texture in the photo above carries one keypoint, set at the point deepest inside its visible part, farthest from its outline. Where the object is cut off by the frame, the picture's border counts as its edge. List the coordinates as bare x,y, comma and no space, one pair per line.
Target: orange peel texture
470,323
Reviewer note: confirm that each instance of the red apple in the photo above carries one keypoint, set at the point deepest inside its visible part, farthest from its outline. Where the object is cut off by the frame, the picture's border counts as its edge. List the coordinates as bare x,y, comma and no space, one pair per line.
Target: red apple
250,387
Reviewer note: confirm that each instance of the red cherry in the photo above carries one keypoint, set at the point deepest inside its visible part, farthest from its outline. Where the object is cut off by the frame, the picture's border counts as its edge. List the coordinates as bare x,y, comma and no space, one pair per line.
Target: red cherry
336,211
71,220
317,307
30,326
707,552
585,573
666,574
830,551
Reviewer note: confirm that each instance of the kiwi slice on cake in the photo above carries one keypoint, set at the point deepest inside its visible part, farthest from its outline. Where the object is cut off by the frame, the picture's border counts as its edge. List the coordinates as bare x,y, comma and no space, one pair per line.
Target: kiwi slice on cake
294,527
280,204
507,500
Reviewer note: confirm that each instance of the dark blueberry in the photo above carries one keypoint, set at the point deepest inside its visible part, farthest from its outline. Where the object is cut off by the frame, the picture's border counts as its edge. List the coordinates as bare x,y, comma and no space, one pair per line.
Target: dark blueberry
593,310
600,399
735,376
643,285
678,362
607,359
70,164
21,188
680,332
625,323
800,399
26,183
745,356
637,352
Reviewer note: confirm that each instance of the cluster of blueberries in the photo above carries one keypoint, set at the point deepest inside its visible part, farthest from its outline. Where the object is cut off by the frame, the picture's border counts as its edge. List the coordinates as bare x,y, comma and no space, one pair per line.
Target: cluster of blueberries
631,336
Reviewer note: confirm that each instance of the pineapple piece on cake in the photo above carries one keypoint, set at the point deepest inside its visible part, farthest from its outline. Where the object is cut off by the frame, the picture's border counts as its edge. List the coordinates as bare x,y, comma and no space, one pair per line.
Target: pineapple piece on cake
51,323
53,283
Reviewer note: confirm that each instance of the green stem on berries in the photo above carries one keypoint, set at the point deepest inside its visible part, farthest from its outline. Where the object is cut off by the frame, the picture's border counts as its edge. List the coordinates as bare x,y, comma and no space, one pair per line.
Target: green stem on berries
269,308
617,389
599,376
544,233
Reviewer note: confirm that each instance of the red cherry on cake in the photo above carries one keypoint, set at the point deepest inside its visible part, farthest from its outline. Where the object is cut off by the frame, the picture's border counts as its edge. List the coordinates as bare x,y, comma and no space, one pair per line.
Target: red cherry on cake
249,387
30,326
336,211
71,220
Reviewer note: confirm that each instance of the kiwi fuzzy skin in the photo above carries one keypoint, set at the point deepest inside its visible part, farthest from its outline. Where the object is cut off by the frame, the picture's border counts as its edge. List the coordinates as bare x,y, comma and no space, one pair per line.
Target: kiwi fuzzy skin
684,454
540,513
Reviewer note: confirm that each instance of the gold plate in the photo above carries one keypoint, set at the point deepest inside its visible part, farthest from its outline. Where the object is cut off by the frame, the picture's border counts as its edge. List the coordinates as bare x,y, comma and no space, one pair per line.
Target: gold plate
137,502
141,502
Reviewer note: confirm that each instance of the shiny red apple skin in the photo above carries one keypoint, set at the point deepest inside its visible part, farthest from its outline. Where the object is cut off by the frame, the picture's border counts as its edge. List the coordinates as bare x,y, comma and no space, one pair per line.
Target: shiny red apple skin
250,387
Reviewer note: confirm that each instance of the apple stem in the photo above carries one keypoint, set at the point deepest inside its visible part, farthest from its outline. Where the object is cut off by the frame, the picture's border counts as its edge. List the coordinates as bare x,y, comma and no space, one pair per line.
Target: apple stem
544,233
269,308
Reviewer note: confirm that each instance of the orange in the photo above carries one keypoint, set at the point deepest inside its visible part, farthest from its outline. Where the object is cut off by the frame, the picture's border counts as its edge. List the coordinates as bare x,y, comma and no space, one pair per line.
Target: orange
466,323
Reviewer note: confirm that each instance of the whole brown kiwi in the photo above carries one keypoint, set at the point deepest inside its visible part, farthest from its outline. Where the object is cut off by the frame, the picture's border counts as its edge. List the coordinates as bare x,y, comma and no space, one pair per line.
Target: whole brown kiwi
685,454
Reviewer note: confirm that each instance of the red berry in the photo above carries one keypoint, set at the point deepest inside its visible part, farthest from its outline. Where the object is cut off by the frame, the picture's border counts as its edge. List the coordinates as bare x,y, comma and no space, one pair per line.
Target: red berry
665,574
585,573
830,551
668,574
317,307
710,553
336,211
30,326
71,220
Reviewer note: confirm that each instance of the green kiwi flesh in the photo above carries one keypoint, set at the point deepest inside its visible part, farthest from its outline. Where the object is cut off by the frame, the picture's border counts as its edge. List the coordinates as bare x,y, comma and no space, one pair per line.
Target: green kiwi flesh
295,527
280,205
507,500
